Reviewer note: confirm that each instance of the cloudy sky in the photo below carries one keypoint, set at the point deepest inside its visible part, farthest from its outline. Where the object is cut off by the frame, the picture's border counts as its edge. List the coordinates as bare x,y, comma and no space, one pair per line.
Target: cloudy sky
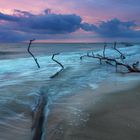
69,20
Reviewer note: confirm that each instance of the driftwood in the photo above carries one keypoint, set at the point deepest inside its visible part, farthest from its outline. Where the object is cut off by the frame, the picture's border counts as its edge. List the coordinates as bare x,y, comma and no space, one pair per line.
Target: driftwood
91,56
114,61
35,59
62,67
105,45
122,56
38,117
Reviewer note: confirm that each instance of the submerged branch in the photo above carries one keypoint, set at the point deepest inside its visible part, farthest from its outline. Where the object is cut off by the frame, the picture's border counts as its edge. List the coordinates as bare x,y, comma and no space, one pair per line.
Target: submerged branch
122,56
92,56
35,59
104,49
114,61
62,67
56,60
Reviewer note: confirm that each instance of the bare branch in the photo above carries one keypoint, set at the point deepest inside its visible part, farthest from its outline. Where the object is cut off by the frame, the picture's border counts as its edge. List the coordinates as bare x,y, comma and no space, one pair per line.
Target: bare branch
135,65
122,56
105,45
35,59
87,55
57,61
62,67
114,61
81,57
91,56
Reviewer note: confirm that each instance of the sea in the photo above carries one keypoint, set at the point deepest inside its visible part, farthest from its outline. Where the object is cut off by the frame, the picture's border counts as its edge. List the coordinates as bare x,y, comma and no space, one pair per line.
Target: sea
21,81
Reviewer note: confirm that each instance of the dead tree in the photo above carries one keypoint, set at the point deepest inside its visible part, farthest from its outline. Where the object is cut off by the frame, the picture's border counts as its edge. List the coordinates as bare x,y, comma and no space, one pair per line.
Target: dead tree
114,61
62,67
35,59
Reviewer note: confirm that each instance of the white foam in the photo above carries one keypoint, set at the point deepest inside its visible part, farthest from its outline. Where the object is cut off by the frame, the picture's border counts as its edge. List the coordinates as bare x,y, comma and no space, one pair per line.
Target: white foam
93,86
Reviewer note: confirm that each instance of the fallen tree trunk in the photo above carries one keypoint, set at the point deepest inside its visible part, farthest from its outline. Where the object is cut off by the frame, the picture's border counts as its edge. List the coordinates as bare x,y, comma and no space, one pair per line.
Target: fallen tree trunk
110,61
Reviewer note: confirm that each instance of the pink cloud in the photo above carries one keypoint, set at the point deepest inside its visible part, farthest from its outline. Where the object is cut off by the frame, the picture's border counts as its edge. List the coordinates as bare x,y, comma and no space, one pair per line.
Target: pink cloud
91,11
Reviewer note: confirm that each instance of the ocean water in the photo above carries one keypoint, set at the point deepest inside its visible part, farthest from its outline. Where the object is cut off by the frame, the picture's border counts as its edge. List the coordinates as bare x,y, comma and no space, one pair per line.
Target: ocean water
21,81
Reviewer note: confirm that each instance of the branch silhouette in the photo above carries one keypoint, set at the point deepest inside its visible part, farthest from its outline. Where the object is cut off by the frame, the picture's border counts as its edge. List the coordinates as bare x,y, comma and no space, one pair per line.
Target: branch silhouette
122,56
111,61
35,59
62,67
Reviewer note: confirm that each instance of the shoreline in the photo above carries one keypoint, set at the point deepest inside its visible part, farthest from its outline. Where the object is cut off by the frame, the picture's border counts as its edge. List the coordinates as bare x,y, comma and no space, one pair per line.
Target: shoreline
102,114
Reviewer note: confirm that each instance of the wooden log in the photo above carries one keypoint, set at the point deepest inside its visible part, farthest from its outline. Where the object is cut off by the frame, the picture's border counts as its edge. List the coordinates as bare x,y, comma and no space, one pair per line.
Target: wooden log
38,115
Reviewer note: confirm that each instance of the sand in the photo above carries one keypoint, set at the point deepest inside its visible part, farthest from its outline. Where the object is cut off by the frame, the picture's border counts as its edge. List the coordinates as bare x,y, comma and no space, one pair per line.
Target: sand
15,129
109,113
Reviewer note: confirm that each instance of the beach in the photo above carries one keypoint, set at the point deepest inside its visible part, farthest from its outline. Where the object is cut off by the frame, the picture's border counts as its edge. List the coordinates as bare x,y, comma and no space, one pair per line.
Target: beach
87,100
69,70
102,114
15,128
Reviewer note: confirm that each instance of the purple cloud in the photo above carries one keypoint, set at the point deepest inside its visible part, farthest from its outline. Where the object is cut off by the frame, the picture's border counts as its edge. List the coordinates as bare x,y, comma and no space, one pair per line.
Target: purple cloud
8,17
43,23
12,36
88,27
23,25
113,28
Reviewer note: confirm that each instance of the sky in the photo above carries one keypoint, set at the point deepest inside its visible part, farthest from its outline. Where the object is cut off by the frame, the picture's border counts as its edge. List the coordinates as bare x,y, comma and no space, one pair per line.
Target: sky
69,20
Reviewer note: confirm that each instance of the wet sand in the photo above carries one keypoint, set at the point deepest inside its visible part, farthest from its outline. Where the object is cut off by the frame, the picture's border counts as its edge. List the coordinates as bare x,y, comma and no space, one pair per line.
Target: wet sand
15,129
102,114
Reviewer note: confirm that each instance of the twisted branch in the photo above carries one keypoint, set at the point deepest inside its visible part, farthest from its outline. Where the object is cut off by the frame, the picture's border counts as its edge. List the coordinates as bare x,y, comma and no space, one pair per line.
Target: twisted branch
35,59
62,67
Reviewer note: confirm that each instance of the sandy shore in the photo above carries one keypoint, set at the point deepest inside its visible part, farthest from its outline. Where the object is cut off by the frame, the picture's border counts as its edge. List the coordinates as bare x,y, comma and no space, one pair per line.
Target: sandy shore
101,114
15,129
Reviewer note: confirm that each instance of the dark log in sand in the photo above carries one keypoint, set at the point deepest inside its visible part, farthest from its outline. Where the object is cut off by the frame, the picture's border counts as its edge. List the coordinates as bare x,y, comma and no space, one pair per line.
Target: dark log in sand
62,67
38,117
35,59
